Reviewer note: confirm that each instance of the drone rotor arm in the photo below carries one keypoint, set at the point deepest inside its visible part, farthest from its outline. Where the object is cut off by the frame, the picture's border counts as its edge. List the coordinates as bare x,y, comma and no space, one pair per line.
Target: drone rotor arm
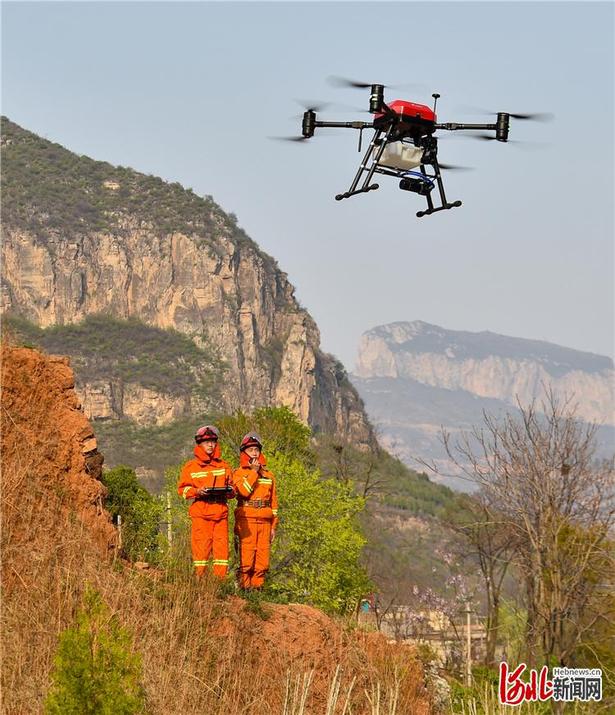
345,125
500,128
453,126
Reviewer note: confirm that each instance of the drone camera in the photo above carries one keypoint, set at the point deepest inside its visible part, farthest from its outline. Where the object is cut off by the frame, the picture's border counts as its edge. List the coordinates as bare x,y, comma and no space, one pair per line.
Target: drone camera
417,186
309,123
501,127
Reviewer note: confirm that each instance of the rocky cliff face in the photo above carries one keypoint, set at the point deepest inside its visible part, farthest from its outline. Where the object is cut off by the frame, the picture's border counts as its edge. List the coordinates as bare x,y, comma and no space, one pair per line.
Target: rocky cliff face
88,238
416,378
489,365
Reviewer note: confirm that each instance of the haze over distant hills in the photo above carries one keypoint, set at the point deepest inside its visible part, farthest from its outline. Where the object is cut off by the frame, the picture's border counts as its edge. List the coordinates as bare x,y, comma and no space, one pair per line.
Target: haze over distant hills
415,377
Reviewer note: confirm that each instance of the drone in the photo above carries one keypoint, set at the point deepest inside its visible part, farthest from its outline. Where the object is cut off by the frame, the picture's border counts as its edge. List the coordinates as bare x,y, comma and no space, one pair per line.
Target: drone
403,144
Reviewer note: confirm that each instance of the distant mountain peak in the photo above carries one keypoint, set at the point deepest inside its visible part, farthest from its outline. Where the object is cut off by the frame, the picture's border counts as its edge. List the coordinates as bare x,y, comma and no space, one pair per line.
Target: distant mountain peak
415,377
419,337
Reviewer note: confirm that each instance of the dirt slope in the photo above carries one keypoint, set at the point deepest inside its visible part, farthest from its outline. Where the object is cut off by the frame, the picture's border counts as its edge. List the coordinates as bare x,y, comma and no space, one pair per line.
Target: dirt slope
48,435
201,651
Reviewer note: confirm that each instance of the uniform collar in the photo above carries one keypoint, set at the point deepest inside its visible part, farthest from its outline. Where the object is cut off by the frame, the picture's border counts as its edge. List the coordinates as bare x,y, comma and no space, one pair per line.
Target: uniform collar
203,458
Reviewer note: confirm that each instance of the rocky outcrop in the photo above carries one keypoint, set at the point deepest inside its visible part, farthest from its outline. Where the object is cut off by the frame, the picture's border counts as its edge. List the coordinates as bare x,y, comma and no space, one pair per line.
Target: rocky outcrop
49,450
489,365
114,400
207,280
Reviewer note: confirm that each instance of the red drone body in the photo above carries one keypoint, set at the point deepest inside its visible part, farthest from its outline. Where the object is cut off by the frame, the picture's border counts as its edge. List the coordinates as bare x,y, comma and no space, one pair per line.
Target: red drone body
410,110
414,120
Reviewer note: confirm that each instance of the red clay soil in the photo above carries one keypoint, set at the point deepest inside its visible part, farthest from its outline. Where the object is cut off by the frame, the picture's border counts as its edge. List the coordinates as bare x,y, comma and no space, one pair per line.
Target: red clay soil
41,409
297,639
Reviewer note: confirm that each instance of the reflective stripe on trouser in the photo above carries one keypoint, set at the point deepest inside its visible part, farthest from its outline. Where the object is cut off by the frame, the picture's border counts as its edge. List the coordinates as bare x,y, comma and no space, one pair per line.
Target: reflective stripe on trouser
254,545
210,536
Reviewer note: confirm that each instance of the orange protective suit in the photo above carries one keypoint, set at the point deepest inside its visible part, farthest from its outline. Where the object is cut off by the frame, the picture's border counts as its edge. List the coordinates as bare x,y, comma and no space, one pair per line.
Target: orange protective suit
256,516
209,515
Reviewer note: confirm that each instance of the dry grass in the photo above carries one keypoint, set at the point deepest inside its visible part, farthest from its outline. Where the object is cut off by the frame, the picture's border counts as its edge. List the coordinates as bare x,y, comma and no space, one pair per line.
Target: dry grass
202,651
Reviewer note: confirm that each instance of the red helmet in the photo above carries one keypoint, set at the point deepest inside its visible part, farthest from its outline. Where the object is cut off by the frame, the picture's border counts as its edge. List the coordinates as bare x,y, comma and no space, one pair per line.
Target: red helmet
206,433
252,439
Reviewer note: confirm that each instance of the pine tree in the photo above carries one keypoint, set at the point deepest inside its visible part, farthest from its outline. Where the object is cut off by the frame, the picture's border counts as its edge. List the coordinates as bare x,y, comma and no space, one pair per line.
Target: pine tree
95,670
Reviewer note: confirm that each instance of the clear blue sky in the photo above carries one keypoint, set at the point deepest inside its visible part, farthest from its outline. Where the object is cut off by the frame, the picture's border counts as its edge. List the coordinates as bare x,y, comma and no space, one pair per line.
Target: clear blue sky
191,91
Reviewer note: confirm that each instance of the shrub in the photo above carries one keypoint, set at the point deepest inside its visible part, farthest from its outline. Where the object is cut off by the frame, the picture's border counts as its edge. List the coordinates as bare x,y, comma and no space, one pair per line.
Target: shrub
140,512
316,558
95,670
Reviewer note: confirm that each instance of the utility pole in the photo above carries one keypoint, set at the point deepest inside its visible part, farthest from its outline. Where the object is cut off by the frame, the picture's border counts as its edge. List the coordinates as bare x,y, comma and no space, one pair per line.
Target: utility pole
468,647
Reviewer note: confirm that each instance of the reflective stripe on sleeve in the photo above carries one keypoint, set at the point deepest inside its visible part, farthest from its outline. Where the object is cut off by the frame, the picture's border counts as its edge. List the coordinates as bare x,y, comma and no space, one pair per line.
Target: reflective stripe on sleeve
218,472
185,491
246,484
220,562
264,480
198,475
275,512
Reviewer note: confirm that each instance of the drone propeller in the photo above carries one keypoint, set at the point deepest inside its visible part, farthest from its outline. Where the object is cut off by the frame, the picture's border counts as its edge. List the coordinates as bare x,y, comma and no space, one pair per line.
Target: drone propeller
455,167
289,139
336,81
481,137
527,116
343,82
318,107
491,138
536,117
309,106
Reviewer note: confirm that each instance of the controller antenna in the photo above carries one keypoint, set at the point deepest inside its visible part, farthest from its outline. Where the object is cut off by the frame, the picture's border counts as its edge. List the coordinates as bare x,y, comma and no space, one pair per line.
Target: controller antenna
435,96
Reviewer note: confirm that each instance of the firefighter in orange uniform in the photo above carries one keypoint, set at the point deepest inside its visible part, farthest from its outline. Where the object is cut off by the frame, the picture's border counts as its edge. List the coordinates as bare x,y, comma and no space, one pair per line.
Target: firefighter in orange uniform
207,480
256,515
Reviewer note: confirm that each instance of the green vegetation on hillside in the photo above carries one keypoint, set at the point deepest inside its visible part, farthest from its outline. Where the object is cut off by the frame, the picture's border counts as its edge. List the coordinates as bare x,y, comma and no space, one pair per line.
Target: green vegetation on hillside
414,491
47,188
153,447
279,427
106,348
383,478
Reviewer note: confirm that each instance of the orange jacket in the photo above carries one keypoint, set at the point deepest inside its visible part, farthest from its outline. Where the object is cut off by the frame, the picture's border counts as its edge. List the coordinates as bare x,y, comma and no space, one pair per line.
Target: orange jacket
253,485
205,471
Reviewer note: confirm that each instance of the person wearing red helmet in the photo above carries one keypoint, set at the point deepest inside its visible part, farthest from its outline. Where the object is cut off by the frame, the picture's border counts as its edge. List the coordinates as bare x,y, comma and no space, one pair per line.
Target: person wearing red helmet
256,515
206,480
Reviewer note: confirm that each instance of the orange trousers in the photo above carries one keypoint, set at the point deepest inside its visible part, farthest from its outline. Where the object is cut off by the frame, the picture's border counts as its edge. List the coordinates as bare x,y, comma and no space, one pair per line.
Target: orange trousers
210,535
254,546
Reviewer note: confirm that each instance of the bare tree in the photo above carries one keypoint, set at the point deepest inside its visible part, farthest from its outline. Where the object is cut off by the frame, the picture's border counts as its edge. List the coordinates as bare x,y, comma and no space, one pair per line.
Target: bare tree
344,462
488,539
537,469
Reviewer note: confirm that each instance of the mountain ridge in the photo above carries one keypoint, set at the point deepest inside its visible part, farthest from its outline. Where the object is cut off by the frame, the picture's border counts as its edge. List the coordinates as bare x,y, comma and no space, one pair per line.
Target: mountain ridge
416,378
82,237
422,336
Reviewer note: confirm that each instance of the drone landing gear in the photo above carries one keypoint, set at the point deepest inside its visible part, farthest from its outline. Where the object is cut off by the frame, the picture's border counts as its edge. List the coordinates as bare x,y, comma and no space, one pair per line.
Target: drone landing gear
429,211
444,204
376,147
362,190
